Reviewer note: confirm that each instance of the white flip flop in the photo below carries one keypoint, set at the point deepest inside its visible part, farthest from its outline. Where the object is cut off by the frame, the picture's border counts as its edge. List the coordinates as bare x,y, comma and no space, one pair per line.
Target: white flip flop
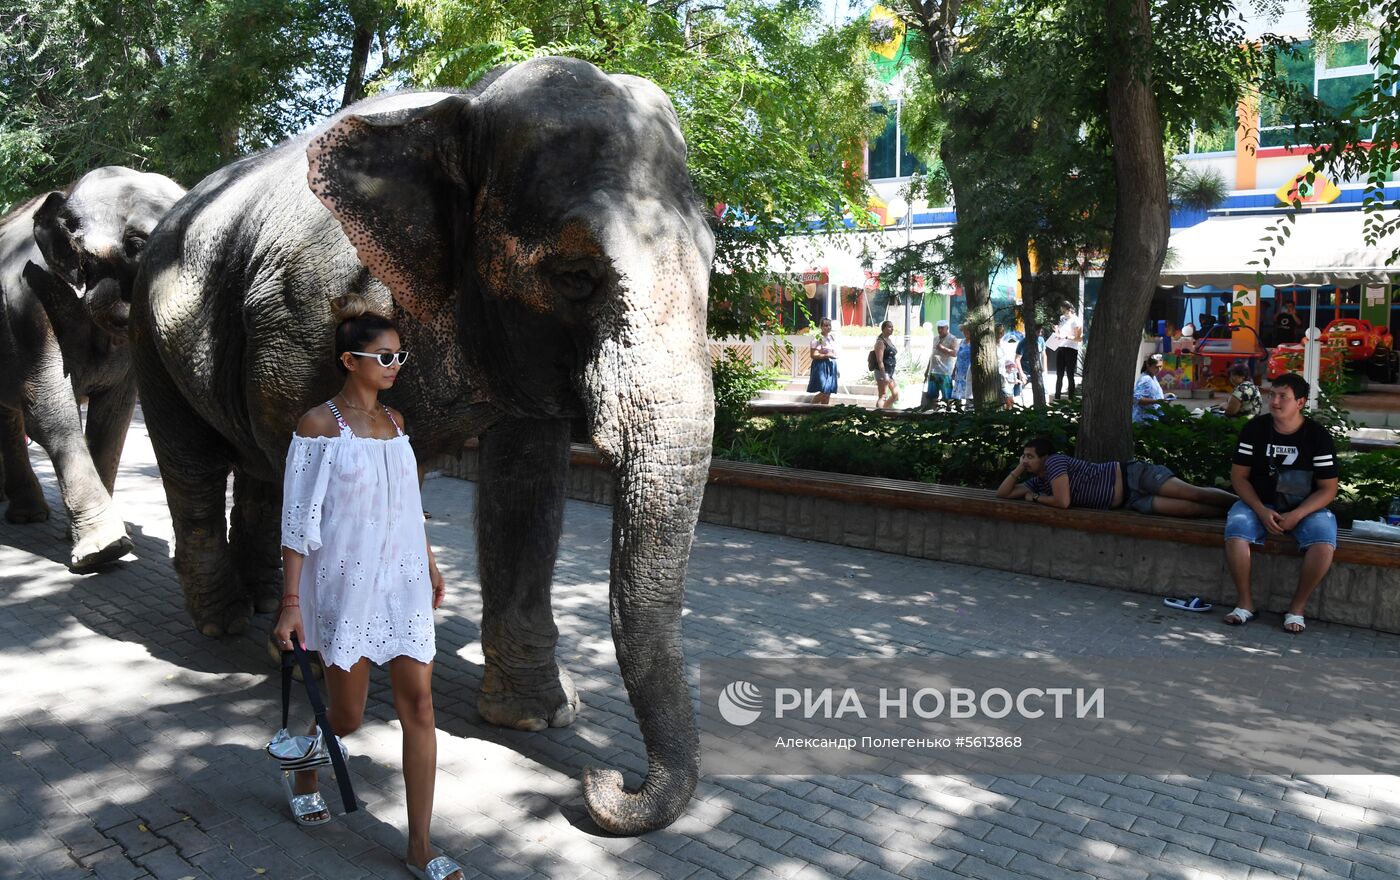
1244,616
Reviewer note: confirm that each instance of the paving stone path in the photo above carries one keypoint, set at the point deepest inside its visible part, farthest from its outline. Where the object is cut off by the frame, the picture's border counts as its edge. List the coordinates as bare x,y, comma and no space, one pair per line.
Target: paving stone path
131,744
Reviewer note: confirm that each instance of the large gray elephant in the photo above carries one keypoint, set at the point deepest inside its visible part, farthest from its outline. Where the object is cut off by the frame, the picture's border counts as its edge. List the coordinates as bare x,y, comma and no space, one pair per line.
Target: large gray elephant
67,263
541,247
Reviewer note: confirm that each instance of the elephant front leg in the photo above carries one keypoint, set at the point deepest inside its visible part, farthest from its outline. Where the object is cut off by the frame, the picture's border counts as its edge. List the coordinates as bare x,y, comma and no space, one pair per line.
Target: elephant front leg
255,539
98,533
27,504
519,513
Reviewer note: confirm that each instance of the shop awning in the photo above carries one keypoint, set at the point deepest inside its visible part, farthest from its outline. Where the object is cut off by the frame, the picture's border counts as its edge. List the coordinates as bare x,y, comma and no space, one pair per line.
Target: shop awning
1326,247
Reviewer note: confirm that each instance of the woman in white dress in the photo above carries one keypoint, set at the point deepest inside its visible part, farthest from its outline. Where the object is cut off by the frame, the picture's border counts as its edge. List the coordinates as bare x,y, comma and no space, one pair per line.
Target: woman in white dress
360,582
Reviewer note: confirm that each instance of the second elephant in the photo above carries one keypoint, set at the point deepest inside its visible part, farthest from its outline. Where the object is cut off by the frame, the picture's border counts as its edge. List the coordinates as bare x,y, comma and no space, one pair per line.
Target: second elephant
67,264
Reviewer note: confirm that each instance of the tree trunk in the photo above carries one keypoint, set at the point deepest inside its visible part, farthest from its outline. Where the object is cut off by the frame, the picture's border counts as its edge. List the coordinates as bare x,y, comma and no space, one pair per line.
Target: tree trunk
972,274
359,57
1141,224
1030,294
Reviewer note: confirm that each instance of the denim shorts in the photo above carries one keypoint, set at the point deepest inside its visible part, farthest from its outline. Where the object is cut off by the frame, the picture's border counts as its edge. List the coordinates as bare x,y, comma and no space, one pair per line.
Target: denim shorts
1318,527
1144,482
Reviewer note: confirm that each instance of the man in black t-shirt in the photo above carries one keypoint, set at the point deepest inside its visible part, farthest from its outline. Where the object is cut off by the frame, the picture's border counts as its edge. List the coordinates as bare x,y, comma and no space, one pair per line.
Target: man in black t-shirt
1287,324
1285,472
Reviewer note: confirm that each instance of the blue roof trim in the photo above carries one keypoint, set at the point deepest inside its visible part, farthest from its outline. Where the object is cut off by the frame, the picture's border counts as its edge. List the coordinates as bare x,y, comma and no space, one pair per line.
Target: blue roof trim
1183,219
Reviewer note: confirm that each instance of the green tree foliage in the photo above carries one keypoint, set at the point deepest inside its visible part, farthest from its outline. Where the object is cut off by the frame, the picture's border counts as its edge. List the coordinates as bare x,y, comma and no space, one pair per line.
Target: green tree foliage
1353,132
1015,96
175,86
773,102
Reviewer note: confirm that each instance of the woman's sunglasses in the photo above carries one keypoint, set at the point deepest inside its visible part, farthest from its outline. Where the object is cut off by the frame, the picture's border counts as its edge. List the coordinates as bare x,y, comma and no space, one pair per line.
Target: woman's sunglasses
385,358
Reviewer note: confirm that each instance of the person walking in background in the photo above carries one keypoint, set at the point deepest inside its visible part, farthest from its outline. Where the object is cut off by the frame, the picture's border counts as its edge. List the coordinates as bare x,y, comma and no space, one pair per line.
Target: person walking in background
938,376
825,376
1069,336
1285,471
886,358
1147,393
962,367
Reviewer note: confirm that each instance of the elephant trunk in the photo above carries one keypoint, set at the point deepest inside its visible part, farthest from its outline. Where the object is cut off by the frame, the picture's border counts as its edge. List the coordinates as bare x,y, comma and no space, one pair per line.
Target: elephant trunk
657,503
651,408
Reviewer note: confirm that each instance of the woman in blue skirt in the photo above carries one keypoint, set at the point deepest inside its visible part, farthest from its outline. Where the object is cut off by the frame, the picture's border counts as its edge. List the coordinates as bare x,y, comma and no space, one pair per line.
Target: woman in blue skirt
962,367
825,375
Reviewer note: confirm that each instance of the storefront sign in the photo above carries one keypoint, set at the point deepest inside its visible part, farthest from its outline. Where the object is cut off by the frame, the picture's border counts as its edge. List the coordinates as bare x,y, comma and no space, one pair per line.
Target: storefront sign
1320,191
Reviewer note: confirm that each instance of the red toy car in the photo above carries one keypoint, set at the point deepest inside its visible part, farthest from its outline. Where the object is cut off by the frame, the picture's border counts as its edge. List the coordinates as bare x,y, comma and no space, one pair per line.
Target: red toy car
1359,338
1355,340
1288,358
1370,346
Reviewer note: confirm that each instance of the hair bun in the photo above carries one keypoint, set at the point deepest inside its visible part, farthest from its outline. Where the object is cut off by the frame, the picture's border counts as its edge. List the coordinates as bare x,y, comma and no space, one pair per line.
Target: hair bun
351,306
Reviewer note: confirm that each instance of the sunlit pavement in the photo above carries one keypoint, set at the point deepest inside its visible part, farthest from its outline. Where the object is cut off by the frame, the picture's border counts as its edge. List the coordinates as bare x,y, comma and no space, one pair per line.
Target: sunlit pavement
132,745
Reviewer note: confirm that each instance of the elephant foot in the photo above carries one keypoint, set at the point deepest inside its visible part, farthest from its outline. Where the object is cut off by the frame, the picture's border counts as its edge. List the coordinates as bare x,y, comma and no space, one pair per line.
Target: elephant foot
23,511
553,703
231,620
97,546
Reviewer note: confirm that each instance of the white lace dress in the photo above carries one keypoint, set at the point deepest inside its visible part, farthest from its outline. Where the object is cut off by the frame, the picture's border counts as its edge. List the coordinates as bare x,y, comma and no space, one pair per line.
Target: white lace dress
351,506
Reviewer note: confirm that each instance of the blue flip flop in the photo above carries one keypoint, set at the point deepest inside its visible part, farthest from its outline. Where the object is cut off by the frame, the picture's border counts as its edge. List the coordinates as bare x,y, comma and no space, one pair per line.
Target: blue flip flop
1195,603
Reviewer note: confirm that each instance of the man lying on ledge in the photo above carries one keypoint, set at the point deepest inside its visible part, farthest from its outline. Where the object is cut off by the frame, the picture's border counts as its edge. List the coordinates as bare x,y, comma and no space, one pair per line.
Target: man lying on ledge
1062,481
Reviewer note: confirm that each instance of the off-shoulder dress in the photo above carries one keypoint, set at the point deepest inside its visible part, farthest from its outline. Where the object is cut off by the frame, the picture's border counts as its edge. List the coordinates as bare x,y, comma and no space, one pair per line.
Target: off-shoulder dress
351,506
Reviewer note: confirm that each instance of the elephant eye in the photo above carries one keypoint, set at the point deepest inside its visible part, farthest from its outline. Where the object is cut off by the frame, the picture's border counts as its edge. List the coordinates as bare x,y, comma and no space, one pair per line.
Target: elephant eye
577,280
134,244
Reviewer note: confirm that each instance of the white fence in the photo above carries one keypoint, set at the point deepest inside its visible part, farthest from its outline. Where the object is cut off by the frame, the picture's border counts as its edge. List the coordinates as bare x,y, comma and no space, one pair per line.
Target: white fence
795,359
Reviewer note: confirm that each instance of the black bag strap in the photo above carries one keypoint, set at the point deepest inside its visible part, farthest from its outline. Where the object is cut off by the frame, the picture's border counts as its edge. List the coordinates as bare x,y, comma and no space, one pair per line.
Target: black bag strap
313,693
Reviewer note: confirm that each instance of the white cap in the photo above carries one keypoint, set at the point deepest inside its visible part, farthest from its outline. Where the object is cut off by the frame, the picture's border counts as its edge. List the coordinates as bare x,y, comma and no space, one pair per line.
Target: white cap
942,322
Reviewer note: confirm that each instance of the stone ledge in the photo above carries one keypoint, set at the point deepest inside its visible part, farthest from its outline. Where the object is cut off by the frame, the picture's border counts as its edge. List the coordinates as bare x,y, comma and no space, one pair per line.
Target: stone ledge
1145,554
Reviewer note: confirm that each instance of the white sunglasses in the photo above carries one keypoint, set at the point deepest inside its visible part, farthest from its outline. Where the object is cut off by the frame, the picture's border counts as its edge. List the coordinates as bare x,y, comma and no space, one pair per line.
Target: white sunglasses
385,358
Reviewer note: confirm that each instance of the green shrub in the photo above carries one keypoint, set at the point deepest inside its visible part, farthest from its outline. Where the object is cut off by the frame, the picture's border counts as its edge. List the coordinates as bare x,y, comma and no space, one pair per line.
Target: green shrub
1197,448
737,381
959,446
1369,481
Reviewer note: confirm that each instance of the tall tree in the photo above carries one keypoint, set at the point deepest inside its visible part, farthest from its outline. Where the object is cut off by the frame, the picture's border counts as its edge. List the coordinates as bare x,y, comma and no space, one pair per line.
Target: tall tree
941,25
176,86
1053,84
1141,225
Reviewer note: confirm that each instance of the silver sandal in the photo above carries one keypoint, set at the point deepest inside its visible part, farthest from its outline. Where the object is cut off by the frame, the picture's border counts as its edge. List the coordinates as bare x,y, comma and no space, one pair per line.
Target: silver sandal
439,868
304,805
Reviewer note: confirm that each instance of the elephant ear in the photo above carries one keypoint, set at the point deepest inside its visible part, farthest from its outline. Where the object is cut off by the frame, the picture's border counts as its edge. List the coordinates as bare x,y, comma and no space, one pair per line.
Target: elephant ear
394,182
56,233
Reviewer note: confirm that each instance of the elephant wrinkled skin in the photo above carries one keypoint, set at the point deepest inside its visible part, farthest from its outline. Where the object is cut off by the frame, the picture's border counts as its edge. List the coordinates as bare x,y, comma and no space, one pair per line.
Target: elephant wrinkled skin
541,247
67,263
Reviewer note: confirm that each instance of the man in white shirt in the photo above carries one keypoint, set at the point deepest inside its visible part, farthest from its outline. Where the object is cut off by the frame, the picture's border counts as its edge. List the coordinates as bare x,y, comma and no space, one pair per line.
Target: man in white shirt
1070,335
938,376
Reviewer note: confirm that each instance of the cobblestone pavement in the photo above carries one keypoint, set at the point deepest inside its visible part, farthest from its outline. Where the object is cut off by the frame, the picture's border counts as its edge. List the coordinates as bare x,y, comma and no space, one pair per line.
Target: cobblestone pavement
131,744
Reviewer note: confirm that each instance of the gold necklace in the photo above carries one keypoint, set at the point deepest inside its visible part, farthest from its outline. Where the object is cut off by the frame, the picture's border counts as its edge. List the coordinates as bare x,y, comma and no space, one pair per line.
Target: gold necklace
373,414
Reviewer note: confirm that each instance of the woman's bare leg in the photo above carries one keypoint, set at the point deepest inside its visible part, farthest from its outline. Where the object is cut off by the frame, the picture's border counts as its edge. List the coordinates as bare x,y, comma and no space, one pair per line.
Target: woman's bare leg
346,692
413,700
